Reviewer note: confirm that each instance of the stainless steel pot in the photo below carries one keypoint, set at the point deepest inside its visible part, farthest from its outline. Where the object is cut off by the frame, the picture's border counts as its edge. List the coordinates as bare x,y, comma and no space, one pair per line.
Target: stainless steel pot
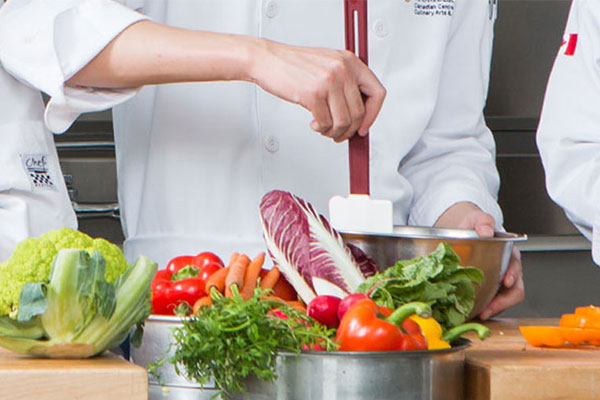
157,344
411,375
491,255
422,375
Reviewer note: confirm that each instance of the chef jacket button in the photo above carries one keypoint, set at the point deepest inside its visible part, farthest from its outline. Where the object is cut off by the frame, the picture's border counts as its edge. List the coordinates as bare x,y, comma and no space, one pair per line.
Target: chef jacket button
380,28
272,144
271,9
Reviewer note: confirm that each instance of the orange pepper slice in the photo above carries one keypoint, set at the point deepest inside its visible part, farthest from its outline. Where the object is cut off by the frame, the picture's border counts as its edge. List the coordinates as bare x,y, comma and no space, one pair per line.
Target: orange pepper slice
591,312
584,321
578,336
543,336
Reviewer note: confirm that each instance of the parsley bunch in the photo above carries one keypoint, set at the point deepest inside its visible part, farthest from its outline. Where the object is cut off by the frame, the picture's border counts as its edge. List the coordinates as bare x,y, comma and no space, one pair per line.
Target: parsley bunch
234,339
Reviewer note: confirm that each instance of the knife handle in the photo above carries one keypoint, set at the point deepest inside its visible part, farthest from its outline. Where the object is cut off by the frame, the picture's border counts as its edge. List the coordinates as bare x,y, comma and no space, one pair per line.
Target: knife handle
358,146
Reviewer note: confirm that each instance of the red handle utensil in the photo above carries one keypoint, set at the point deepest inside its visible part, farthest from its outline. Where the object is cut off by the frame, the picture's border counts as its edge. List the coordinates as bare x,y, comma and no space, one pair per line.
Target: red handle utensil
358,151
358,212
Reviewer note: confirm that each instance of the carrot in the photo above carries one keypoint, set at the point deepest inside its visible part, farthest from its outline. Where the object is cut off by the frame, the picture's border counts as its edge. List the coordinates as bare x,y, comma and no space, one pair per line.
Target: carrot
292,303
270,279
205,301
237,270
233,257
298,305
251,276
274,298
217,280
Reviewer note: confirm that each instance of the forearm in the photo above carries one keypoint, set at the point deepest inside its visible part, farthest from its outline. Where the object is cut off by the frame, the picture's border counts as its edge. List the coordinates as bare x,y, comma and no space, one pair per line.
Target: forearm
151,53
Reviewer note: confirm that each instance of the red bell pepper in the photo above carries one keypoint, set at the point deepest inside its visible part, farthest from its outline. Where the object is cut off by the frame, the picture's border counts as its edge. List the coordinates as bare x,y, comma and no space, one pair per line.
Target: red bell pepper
415,339
362,329
181,282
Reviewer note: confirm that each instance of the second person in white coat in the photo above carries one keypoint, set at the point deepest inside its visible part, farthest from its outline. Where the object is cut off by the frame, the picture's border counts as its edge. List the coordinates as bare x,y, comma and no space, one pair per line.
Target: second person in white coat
568,134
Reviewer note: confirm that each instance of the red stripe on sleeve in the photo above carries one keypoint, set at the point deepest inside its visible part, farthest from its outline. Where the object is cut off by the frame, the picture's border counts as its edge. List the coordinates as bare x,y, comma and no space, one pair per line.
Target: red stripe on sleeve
572,45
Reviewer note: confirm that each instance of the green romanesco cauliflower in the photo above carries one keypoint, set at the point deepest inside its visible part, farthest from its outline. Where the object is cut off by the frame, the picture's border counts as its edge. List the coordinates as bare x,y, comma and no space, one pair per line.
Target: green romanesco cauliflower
32,259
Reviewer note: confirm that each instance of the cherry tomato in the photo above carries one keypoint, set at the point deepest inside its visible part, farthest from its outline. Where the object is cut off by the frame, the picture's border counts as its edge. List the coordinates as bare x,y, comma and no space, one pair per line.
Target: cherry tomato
162,302
208,270
188,290
205,258
179,262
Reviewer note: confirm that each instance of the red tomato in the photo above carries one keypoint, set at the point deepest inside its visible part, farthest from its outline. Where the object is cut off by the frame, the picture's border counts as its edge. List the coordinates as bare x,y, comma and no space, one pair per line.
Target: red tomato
188,290
206,258
179,262
161,296
208,270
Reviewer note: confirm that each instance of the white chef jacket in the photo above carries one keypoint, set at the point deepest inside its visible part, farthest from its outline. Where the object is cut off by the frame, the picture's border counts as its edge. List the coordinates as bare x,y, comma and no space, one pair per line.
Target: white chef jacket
568,135
195,159
33,195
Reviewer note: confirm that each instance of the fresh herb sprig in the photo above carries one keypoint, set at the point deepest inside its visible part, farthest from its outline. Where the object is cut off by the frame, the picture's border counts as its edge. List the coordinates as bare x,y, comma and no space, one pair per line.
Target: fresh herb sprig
234,339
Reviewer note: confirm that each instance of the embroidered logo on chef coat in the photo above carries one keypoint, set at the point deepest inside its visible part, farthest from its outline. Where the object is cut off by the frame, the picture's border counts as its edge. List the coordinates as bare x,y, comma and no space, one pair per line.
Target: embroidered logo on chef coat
571,43
37,169
433,8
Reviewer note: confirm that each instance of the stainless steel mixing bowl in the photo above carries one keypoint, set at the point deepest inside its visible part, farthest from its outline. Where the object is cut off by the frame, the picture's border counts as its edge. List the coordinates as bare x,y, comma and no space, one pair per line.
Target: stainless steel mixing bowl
491,255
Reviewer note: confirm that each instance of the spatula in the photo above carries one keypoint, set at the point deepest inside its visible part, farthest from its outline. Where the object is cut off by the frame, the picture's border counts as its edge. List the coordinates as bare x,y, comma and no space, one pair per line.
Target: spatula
359,212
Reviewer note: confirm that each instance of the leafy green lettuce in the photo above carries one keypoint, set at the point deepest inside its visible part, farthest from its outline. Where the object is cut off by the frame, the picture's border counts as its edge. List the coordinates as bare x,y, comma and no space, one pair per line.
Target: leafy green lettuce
435,279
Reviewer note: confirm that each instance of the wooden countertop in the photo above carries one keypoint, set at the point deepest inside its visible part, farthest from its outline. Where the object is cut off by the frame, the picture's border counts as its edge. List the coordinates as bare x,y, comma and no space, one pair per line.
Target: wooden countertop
506,367
103,377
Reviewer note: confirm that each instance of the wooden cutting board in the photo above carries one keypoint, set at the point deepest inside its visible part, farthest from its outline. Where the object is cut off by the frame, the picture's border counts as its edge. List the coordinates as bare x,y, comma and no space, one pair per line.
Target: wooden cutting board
506,367
104,377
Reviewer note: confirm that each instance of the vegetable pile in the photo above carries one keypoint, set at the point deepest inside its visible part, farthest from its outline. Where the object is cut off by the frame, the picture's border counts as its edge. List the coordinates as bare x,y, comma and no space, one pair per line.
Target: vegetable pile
84,303
577,329
338,301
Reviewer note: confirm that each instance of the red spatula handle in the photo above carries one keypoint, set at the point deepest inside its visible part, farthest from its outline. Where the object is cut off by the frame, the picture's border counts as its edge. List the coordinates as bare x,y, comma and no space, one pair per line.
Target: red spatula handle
358,150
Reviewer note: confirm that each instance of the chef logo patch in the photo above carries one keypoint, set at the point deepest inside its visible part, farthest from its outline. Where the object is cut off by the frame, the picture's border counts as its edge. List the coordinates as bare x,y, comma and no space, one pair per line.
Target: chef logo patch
434,8
36,167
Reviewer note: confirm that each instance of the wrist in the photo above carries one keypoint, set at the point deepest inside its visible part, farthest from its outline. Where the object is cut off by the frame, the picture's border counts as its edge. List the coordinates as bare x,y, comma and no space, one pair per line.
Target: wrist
254,50
453,215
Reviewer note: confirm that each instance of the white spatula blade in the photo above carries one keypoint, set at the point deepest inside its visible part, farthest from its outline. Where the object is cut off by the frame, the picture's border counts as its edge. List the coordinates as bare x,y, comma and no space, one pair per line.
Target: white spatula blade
360,213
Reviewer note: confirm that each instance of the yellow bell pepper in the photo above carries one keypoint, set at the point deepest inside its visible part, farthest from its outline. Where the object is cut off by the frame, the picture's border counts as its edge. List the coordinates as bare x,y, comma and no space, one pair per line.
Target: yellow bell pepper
432,331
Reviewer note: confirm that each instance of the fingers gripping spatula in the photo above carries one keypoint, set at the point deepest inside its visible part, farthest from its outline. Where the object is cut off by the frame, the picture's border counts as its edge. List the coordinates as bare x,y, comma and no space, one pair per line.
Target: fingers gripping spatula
359,212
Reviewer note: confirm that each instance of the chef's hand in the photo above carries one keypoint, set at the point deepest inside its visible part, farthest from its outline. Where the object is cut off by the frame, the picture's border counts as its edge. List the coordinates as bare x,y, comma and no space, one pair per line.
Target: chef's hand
329,83
468,216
